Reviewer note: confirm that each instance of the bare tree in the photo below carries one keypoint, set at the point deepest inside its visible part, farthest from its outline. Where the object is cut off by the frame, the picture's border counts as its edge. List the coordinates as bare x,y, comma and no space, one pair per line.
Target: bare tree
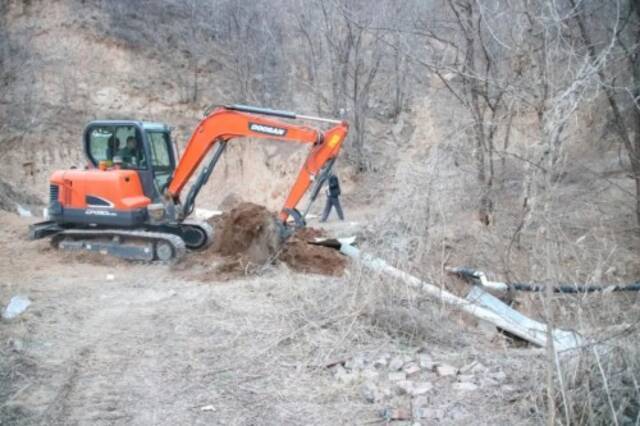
343,59
620,81
467,62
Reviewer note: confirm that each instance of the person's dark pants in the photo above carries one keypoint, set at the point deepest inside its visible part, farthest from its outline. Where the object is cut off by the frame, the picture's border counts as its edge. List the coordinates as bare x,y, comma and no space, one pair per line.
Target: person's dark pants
332,202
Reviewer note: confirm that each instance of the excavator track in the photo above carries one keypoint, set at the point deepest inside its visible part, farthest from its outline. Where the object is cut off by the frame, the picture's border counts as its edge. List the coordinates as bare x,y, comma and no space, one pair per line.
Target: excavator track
131,245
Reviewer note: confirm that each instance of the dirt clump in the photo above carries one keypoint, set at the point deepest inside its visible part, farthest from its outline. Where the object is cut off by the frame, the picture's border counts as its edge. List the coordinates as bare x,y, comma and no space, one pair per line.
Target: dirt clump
309,258
248,237
248,230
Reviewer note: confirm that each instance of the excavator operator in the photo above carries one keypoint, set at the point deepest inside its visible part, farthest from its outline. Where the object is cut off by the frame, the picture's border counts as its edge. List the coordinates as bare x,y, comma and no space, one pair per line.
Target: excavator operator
131,155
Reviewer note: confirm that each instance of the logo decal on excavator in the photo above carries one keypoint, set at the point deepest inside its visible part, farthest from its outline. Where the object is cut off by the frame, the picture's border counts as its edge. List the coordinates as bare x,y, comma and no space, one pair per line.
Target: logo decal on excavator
268,130
99,212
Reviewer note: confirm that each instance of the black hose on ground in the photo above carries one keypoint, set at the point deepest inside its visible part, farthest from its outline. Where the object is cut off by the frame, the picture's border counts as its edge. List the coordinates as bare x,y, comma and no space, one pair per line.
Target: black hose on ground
478,277
567,288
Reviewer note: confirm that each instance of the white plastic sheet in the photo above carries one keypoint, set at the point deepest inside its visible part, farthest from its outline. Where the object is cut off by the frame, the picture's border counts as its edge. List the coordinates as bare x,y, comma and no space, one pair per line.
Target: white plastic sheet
16,306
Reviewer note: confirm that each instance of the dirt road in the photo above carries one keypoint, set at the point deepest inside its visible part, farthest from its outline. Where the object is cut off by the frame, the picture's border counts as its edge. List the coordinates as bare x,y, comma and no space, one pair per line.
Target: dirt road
146,348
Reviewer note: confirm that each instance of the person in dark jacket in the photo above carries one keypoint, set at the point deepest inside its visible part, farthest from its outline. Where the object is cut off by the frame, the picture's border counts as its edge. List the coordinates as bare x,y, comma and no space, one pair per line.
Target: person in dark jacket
333,199
130,154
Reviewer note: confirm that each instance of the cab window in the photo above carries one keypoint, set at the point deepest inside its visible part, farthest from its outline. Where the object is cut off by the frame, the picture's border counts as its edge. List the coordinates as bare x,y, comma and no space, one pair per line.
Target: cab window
100,144
108,142
161,158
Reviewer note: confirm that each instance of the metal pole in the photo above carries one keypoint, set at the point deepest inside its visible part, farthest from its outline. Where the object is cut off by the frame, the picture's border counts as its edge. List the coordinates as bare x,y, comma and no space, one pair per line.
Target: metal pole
203,178
324,120
320,180
279,113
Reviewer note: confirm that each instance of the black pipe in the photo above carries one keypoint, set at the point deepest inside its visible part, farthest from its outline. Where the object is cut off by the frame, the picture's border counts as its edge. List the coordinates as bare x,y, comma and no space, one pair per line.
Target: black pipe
474,276
322,178
568,288
203,178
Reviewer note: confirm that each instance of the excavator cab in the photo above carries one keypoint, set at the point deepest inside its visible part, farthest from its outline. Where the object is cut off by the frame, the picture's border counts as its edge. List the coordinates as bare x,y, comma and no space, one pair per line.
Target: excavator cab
133,145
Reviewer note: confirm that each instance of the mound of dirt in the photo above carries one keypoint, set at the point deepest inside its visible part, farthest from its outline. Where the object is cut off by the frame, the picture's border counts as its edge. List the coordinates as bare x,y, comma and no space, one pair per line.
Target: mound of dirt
248,237
248,230
304,257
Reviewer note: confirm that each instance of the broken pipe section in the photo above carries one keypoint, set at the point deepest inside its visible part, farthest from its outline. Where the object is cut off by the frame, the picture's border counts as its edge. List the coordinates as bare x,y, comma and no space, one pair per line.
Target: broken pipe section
478,303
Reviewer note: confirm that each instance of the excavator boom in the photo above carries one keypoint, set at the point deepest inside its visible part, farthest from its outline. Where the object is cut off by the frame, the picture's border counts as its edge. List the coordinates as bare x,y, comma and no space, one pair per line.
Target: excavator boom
226,123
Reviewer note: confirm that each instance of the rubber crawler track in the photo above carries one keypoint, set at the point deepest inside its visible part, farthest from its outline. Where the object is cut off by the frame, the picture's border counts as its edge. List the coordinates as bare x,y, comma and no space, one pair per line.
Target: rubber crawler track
178,245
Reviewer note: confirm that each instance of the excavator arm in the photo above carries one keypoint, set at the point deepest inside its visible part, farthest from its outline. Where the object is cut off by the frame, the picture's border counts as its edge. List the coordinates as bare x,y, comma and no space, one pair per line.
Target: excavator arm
229,122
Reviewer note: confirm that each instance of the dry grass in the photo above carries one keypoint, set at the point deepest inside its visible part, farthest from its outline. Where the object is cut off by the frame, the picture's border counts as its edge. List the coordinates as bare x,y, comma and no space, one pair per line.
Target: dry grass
573,237
16,371
598,384
601,384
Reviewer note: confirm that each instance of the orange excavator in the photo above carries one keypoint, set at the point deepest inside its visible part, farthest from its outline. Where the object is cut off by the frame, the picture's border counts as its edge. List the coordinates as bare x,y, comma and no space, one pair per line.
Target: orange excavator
127,201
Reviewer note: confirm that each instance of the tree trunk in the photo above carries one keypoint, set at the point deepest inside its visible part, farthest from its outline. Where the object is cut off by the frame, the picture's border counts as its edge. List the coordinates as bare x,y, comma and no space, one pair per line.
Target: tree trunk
631,146
634,157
